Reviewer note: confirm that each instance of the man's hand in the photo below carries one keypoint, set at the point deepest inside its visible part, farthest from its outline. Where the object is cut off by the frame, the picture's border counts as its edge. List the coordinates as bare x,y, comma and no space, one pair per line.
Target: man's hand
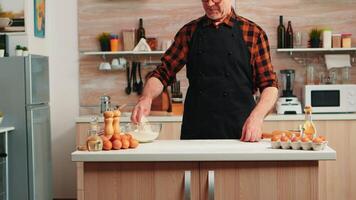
142,108
252,129
152,89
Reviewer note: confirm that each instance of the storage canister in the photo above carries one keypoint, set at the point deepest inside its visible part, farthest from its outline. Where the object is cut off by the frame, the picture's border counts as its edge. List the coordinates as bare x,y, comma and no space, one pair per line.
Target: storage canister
327,38
336,40
346,40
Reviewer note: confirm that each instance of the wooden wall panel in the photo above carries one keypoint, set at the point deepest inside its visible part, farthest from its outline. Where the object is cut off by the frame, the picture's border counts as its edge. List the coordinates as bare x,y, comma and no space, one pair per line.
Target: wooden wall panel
163,18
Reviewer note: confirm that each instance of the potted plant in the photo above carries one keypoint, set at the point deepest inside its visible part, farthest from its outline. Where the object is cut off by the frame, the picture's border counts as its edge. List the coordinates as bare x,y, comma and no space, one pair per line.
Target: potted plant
104,40
24,51
314,38
18,50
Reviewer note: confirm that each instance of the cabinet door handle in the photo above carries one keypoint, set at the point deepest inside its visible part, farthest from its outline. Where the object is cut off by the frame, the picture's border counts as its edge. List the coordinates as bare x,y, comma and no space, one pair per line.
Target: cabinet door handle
3,155
211,184
187,178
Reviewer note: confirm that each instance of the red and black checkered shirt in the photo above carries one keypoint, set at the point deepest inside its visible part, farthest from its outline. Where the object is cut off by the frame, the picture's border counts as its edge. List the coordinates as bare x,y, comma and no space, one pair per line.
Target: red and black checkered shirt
255,38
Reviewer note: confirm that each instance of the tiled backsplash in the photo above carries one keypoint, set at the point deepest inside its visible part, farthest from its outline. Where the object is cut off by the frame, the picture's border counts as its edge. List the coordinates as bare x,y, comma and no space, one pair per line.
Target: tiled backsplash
162,19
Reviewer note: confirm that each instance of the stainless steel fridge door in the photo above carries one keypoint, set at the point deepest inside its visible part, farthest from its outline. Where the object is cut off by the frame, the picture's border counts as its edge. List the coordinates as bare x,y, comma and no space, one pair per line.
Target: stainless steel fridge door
39,152
37,80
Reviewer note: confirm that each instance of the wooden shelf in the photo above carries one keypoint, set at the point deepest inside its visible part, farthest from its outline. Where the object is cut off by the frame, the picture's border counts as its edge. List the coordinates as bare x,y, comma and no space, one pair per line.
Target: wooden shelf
305,50
123,53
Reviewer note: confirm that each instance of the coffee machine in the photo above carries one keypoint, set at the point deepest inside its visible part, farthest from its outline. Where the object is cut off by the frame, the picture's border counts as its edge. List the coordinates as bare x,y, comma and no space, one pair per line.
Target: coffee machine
288,103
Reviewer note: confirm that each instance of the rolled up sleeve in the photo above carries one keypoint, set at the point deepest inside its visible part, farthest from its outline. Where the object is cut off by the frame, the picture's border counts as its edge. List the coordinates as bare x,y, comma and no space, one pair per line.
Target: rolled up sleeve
265,76
174,59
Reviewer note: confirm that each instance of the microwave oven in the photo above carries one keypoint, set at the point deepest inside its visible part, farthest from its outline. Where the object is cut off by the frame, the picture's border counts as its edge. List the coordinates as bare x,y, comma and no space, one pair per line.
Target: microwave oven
330,98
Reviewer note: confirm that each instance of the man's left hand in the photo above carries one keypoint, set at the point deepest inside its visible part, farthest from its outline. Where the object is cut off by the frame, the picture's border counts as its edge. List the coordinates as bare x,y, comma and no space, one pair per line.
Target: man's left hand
252,129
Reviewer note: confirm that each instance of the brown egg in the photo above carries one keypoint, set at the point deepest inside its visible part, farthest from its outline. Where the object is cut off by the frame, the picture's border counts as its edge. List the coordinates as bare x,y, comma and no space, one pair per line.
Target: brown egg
104,138
116,144
128,136
276,138
284,138
108,114
115,136
306,139
296,139
133,143
125,143
322,137
124,137
317,140
107,145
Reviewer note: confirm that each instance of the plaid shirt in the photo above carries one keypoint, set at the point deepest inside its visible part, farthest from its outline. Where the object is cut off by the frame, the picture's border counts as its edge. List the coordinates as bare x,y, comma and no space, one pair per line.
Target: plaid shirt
255,38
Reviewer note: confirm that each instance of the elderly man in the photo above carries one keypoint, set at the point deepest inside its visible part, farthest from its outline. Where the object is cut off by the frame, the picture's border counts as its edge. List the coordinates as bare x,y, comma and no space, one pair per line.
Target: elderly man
228,60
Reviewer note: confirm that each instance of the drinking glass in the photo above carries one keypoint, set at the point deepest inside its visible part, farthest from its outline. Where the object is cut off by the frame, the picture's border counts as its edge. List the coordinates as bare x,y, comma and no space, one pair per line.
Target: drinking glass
298,39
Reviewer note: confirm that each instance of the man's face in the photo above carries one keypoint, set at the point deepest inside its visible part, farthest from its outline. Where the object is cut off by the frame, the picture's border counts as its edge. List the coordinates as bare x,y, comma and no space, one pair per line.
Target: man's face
216,9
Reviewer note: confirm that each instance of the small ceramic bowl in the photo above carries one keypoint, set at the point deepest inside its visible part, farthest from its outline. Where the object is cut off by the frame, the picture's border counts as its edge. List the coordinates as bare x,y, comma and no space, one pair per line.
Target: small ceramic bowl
306,145
296,145
285,145
276,144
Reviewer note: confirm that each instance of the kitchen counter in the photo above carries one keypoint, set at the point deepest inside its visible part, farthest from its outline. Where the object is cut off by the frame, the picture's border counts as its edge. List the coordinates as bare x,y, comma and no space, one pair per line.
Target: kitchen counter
203,150
6,129
196,169
271,117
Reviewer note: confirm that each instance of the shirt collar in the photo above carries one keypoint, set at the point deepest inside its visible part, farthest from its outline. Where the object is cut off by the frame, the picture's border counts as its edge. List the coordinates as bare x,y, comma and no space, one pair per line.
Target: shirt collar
229,19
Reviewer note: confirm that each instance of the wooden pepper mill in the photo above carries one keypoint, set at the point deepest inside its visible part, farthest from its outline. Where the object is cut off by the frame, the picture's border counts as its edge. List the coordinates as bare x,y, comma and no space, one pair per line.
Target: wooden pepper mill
108,127
116,122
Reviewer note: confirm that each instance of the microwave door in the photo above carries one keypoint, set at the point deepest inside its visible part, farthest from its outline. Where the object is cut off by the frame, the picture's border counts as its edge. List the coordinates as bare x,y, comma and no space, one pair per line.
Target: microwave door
325,98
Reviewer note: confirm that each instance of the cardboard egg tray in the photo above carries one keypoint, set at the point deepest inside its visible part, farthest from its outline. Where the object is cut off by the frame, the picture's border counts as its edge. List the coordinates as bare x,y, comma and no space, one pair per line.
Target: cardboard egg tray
299,145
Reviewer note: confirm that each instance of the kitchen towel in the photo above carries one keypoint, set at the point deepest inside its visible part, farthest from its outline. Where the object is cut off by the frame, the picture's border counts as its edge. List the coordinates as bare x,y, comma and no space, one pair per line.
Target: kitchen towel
337,61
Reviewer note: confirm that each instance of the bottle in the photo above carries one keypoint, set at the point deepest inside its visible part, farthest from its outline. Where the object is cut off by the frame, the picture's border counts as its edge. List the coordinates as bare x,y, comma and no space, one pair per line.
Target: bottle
289,36
308,126
94,141
140,31
281,33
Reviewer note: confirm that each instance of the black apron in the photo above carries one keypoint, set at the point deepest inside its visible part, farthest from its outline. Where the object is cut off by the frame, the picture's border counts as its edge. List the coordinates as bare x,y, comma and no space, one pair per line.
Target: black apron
220,94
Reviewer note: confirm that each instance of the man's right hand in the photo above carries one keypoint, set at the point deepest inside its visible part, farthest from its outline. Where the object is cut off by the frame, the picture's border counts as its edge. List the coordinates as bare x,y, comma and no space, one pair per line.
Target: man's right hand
142,108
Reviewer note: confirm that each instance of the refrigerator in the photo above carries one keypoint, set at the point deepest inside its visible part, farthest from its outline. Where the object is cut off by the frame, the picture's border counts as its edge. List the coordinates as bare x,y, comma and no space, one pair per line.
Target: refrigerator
24,100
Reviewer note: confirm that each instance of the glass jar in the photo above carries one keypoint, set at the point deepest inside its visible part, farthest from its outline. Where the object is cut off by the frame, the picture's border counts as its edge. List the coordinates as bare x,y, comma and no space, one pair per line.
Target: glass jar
332,77
346,40
345,74
336,42
309,79
94,141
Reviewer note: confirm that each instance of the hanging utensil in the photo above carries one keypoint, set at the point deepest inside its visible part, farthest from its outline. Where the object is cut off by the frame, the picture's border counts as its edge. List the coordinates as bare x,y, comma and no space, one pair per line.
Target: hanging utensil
140,84
128,88
135,84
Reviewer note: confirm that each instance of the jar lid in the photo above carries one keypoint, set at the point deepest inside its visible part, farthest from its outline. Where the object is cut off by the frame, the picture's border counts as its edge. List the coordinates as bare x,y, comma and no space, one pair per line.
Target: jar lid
337,34
346,34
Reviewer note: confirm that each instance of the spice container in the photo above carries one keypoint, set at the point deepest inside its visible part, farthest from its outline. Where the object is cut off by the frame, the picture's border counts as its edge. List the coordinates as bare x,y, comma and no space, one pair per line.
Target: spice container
346,40
114,43
336,40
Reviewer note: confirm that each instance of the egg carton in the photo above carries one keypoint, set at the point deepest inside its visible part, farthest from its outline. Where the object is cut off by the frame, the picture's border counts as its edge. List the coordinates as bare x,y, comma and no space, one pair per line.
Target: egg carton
299,145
